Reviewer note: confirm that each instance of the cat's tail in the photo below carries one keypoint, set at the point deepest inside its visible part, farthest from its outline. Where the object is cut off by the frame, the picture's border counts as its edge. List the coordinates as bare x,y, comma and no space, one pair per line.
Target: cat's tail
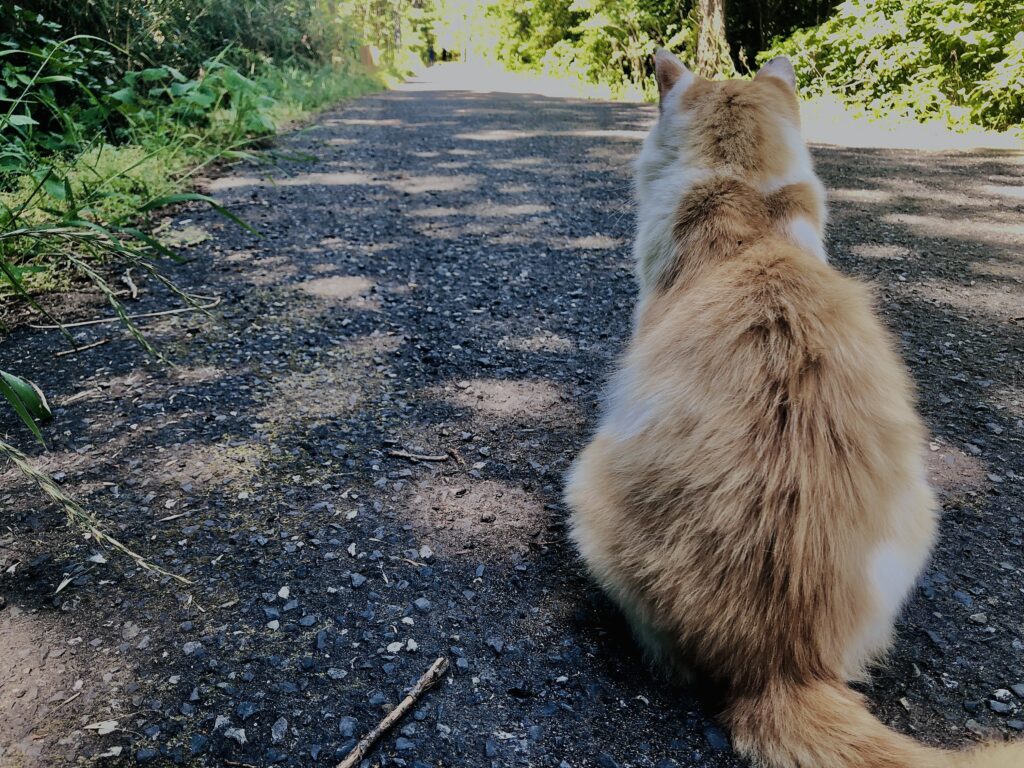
824,724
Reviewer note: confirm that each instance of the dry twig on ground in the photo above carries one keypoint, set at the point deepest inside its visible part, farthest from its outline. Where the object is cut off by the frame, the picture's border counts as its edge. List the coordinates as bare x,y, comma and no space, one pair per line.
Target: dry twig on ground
429,679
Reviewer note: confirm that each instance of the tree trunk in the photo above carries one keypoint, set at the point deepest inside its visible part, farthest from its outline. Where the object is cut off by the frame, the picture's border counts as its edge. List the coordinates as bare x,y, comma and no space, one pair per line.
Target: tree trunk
713,57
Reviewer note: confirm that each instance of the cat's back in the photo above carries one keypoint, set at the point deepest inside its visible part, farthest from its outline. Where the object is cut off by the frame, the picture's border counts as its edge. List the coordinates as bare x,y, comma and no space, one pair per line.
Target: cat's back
769,357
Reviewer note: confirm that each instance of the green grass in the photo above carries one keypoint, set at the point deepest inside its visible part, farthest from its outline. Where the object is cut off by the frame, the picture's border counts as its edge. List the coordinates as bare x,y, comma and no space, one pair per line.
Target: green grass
111,184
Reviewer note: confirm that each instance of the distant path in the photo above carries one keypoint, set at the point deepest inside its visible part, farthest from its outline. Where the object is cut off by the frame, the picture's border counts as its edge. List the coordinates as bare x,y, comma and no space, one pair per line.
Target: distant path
448,273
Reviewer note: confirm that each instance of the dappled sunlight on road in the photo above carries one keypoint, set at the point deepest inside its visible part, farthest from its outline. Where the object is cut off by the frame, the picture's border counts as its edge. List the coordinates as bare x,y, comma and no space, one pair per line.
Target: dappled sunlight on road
507,398
483,77
1001,303
339,288
827,121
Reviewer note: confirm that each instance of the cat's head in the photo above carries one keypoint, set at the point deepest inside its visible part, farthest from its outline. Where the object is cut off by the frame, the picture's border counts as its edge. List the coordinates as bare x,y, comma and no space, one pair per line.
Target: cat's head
717,135
749,129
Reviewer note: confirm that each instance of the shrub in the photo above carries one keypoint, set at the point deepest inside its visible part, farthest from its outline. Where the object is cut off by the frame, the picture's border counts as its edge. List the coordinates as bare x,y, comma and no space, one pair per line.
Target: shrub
925,59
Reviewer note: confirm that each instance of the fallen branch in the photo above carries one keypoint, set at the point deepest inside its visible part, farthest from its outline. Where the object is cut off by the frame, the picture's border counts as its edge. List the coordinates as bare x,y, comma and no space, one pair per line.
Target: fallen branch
418,456
76,350
119,319
430,677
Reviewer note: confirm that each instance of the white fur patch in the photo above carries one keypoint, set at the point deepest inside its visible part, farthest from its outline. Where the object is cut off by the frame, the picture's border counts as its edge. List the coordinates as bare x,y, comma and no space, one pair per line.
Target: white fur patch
892,570
628,411
805,235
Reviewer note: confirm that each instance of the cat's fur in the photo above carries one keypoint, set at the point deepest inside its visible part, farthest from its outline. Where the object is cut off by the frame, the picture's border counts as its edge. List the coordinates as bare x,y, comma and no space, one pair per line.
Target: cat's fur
755,497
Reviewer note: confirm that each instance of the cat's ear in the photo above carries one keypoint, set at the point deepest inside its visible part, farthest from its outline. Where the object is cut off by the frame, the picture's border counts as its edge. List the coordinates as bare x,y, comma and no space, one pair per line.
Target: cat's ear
669,70
780,68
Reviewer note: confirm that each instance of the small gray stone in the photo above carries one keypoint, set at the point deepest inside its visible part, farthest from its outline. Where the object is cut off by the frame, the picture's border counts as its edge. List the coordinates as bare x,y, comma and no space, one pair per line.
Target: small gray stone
236,734
358,580
1000,707
192,648
197,743
716,738
347,726
278,730
422,604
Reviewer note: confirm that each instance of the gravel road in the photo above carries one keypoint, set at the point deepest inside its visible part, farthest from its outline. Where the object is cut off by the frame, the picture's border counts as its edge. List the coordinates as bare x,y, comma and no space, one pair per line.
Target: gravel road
446,274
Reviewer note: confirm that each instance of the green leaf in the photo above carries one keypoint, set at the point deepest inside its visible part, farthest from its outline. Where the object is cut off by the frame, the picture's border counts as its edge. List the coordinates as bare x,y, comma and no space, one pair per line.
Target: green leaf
53,184
13,163
11,395
20,120
30,395
180,89
154,73
55,79
123,95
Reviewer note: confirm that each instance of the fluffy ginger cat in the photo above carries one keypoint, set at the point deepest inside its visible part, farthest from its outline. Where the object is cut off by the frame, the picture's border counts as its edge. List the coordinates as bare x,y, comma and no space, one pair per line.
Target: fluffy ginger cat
755,499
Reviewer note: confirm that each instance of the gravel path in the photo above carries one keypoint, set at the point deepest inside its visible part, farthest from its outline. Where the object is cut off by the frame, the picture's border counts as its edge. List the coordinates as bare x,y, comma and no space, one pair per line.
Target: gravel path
447,274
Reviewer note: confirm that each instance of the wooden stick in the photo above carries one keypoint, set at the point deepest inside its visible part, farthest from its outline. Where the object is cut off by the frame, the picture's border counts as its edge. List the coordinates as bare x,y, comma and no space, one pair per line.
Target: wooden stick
430,677
418,456
143,316
76,350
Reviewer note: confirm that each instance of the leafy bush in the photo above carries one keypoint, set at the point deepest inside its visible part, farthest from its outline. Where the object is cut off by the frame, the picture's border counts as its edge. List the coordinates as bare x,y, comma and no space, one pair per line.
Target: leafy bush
597,41
927,59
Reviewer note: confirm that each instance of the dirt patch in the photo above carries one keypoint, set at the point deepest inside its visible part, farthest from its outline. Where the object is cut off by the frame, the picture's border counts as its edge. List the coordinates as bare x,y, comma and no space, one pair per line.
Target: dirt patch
50,685
336,288
507,398
479,518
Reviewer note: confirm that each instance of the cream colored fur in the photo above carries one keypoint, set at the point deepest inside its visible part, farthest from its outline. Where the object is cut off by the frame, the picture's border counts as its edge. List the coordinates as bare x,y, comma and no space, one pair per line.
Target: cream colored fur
754,498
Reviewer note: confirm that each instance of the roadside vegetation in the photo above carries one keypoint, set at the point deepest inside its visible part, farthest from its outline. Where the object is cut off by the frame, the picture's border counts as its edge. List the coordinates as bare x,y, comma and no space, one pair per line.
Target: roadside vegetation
958,62
109,110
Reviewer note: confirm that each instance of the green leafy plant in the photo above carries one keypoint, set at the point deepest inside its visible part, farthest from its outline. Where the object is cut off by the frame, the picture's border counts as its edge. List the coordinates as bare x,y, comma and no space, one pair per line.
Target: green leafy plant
926,59
27,400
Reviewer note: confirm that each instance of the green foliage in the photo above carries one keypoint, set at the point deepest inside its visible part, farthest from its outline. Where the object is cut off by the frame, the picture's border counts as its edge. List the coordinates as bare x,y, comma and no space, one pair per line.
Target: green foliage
27,401
183,33
596,41
610,42
927,59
